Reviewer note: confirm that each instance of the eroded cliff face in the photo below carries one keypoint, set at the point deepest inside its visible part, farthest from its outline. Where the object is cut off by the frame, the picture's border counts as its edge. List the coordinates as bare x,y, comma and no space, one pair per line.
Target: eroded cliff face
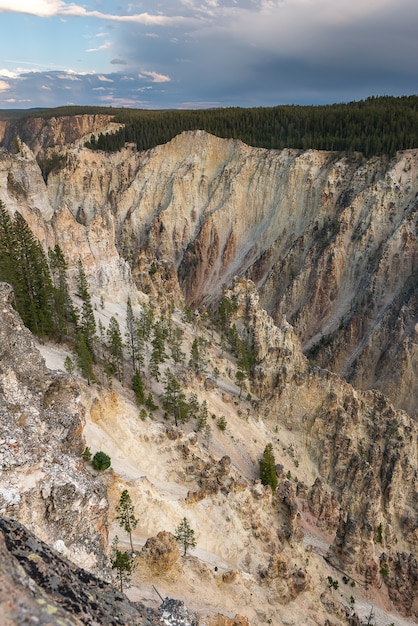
364,451
40,133
329,239
42,480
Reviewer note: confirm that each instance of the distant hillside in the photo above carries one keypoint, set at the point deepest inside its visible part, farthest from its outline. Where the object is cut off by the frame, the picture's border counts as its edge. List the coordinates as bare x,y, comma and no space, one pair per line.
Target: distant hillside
375,126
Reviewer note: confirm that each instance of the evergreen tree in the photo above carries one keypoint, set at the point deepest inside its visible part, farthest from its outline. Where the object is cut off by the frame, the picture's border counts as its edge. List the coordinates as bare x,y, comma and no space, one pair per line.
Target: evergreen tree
8,246
185,535
268,474
138,387
87,326
115,347
154,368
240,377
133,337
193,406
126,515
87,322
195,361
150,404
101,461
33,286
84,358
174,399
202,416
82,284
69,365
64,311
122,564
174,343
145,322
158,342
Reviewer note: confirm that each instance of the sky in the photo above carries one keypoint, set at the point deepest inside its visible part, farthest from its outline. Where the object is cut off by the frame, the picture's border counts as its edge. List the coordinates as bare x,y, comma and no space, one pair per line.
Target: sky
190,54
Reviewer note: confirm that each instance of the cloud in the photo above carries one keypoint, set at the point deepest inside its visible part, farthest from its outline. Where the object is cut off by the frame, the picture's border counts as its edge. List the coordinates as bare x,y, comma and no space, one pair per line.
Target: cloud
68,76
42,8
8,73
155,77
4,86
201,53
105,46
50,8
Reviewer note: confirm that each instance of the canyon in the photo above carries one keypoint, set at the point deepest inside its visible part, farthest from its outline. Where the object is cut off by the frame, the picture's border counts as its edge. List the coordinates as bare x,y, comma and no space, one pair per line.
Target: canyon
318,252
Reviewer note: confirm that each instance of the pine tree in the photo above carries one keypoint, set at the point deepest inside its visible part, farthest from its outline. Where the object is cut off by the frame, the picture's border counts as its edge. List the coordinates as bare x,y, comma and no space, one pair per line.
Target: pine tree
33,287
174,343
133,336
84,358
8,245
64,311
145,322
194,361
202,416
193,406
268,474
150,404
126,515
174,399
82,284
115,346
138,387
87,322
122,564
185,535
158,342
240,377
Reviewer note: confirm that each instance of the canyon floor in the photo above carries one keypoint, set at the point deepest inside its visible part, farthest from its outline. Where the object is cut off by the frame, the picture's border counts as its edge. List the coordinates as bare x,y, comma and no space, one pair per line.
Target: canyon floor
211,578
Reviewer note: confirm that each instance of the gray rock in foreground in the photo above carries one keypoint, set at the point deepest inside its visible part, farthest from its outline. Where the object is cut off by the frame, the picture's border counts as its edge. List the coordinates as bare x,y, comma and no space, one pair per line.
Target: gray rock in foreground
39,586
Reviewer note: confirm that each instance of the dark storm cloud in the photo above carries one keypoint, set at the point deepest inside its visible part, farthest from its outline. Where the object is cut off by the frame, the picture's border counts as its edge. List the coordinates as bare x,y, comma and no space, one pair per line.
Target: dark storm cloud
296,51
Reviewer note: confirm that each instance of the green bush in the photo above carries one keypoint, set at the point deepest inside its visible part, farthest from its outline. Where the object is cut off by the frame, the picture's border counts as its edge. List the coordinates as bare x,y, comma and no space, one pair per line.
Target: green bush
86,454
101,461
221,423
268,474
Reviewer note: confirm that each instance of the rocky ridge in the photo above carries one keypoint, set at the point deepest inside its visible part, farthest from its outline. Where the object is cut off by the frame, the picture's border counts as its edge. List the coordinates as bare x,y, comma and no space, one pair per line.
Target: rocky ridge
41,440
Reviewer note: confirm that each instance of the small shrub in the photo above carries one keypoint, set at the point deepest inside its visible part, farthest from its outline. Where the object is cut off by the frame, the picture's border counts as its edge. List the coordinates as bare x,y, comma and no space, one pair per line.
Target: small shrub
332,584
86,456
101,461
69,365
150,404
221,423
384,570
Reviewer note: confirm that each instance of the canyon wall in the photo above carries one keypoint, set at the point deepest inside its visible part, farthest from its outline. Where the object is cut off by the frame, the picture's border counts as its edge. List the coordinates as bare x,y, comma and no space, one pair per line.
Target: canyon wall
329,239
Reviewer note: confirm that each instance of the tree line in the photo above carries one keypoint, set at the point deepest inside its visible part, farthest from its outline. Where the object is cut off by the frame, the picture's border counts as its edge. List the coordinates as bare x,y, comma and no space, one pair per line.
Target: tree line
374,126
